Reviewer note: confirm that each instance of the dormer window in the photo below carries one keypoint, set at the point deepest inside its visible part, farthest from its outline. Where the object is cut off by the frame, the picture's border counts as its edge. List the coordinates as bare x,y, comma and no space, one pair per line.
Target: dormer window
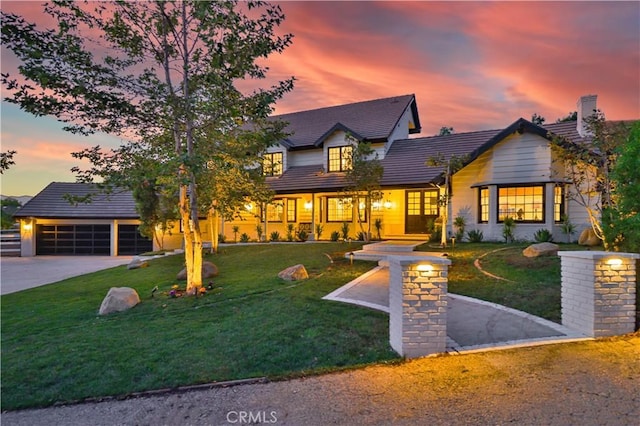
340,158
272,164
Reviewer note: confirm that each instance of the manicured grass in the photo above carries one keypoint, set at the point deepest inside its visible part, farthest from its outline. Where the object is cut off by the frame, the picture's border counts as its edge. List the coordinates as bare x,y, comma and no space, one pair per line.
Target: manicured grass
55,348
533,286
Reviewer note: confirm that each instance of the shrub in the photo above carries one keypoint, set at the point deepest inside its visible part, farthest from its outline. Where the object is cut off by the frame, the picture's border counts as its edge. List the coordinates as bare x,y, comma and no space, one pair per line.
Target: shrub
508,228
361,236
377,224
275,236
543,236
235,230
259,231
244,238
290,231
459,223
302,235
475,236
319,229
567,227
345,231
335,236
222,238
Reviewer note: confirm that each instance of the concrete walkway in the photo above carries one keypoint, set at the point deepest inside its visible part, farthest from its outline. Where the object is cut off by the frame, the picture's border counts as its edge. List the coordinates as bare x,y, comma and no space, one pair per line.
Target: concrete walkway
21,273
472,324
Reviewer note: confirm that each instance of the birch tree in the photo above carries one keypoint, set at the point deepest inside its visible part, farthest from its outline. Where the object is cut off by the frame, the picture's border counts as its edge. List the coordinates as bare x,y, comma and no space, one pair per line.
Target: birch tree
177,77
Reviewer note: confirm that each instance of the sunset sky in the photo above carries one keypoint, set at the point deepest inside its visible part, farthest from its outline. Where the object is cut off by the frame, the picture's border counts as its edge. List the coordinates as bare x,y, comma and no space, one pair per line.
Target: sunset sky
471,65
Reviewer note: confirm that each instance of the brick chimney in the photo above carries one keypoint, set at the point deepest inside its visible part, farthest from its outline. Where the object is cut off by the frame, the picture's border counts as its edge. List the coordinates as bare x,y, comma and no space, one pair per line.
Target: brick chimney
586,107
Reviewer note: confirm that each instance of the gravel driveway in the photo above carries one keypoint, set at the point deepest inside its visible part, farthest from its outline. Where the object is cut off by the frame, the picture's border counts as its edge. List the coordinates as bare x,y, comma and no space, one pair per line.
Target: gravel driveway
581,383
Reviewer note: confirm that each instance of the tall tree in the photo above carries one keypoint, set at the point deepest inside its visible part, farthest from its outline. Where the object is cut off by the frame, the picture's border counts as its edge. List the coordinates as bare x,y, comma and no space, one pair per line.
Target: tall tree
6,160
587,166
445,130
572,116
363,182
166,75
450,167
621,221
537,119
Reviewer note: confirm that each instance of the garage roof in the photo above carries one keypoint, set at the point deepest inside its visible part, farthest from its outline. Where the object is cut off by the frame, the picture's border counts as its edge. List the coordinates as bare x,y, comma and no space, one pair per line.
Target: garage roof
53,202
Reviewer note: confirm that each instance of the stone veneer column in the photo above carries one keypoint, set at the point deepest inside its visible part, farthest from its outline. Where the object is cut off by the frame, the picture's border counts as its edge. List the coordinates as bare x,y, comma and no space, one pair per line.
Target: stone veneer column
418,305
599,292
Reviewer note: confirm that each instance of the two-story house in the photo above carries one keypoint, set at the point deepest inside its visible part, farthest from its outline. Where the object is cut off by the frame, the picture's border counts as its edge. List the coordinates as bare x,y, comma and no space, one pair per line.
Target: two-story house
509,172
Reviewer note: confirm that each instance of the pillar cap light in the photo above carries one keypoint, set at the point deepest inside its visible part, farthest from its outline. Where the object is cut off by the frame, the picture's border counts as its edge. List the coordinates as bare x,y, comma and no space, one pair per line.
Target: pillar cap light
425,267
614,261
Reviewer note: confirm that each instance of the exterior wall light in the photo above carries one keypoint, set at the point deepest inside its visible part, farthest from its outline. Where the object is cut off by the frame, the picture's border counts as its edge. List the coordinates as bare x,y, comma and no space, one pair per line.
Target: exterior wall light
388,205
248,207
308,205
614,261
27,226
425,267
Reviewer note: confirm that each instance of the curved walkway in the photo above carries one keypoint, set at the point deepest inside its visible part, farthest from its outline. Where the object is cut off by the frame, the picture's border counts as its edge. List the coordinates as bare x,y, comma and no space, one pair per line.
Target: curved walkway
472,324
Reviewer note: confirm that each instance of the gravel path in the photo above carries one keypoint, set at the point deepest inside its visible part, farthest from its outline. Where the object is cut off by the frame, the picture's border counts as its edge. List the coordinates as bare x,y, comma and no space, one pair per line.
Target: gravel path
583,383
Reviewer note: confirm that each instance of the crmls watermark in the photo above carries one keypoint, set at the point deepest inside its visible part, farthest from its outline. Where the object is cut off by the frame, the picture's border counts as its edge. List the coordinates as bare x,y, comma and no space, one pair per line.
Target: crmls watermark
252,417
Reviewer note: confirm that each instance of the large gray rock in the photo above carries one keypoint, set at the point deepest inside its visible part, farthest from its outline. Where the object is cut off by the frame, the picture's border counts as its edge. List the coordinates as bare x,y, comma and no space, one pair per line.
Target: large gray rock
294,273
119,299
589,238
209,270
541,249
137,264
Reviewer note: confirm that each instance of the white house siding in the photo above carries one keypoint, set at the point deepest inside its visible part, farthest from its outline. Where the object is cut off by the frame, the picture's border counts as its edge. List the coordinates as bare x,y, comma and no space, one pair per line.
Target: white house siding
303,158
519,159
401,131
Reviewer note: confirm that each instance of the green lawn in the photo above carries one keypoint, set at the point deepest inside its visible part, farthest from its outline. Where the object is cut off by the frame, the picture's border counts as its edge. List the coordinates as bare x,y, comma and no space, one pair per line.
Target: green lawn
55,347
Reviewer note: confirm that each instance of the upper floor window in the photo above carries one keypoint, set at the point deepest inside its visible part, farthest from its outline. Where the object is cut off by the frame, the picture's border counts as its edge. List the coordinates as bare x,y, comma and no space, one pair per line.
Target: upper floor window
340,158
272,164
522,203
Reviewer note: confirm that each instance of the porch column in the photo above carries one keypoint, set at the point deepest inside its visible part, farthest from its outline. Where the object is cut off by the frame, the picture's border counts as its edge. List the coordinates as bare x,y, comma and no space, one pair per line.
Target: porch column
114,237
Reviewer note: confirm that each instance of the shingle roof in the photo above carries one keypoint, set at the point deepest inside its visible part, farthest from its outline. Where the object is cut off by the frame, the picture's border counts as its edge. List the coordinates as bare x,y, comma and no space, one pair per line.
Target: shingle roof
370,120
51,203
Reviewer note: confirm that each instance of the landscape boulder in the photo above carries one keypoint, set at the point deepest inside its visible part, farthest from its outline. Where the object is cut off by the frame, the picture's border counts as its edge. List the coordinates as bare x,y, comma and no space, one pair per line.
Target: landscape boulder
119,299
137,264
294,273
209,270
588,238
541,249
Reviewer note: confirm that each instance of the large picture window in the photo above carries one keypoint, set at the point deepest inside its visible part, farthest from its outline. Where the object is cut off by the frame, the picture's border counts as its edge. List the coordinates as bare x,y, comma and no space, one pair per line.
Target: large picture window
522,203
339,209
340,158
272,164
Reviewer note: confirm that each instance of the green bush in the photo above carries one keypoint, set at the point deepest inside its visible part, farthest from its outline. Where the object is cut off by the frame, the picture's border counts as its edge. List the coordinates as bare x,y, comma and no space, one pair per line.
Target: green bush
319,229
345,231
543,236
360,236
335,236
508,229
302,235
290,231
475,236
244,238
222,238
275,236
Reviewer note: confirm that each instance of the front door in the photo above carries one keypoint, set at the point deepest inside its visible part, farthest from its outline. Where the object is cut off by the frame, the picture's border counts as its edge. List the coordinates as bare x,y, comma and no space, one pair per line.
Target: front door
422,210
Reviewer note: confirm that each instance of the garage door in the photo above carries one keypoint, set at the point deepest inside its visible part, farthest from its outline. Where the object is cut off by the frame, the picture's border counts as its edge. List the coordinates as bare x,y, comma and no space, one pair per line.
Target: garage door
73,239
130,242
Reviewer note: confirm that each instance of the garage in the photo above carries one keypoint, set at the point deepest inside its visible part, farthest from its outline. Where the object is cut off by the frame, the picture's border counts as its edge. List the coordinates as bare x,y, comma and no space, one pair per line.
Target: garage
52,223
91,239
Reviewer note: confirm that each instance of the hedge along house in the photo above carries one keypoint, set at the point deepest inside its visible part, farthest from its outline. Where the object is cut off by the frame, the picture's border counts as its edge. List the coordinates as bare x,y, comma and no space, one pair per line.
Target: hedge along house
108,226
508,172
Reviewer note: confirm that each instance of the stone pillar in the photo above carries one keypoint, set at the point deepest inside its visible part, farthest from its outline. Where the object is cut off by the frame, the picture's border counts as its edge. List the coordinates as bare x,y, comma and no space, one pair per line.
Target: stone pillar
418,305
599,292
